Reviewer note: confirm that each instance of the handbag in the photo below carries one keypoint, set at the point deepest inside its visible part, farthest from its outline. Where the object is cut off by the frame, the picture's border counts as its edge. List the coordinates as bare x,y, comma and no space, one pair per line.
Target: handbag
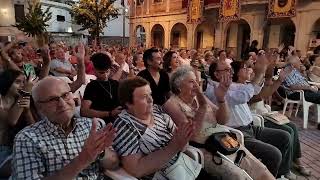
276,118
184,168
224,142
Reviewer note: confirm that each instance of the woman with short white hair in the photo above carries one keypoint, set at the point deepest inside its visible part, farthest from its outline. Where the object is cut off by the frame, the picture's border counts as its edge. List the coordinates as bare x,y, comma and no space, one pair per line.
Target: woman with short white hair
207,118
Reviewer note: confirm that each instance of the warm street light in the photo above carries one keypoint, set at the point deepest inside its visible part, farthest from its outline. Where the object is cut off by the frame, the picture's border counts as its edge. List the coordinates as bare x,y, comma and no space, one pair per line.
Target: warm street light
4,11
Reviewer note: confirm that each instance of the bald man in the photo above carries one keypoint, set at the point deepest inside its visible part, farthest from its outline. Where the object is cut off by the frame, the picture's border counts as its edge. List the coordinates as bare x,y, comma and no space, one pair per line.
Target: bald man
59,146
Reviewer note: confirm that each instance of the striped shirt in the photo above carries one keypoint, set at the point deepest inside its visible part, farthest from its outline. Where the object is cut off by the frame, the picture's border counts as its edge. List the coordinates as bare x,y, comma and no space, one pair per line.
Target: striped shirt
128,140
295,78
43,148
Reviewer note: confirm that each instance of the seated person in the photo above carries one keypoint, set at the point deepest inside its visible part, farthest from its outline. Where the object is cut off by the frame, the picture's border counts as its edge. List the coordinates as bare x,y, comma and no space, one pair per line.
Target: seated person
147,141
138,63
269,145
15,111
62,66
100,98
59,146
296,81
158,79
206,116
257,106
119,68
314,71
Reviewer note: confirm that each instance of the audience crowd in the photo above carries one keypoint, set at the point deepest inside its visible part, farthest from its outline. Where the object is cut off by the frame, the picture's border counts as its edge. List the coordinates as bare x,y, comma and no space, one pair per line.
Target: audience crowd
81,112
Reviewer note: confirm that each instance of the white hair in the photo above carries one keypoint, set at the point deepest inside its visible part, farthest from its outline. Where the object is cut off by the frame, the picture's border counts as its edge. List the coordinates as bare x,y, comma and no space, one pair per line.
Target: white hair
37,88
178,76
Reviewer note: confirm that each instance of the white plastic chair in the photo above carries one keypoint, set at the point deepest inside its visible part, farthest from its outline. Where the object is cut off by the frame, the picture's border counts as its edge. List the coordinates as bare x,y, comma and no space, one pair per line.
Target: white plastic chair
258,120
305,107
120,174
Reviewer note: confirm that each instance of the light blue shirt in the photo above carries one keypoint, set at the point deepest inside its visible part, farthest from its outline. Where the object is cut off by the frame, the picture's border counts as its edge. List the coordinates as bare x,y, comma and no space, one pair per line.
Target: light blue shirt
237,98
56,63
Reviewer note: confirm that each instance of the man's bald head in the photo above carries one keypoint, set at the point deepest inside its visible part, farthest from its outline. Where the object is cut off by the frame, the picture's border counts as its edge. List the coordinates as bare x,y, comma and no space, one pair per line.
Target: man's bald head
45,85
54,100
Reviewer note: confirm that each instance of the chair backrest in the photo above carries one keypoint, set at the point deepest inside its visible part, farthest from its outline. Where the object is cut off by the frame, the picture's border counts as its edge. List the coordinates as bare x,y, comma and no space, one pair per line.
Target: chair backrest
281,91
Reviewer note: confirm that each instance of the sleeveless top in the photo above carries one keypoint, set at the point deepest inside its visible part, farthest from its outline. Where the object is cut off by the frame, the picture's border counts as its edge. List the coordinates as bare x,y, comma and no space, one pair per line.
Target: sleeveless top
209,124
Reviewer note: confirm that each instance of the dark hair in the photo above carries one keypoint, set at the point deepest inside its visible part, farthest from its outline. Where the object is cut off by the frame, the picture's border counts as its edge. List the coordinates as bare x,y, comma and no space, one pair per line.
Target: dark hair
127,87
6,80
147,55
213,67
221,51
135,58
167,61
254,43
228,51
101,61
236,66
246,57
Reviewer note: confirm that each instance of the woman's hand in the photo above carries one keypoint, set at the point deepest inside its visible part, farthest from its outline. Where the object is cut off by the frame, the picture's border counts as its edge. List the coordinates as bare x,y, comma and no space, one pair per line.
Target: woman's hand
200,96
223,87
24,102
30,82
181,136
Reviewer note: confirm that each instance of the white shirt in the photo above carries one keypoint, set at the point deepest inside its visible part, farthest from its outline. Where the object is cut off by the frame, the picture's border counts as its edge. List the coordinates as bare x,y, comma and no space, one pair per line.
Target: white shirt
229,61
237,98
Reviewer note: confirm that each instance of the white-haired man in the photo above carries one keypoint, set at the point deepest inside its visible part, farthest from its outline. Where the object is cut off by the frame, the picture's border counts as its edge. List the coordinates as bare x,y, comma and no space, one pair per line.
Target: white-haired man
59,146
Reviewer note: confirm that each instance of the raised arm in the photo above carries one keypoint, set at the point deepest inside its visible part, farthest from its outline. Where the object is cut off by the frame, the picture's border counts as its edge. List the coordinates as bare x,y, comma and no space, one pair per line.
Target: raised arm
6,58
45,54
268,90
222,114
81,74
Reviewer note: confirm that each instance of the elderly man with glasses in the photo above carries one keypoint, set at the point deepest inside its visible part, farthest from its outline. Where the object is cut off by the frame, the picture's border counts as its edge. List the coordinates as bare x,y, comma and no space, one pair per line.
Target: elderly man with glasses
60,146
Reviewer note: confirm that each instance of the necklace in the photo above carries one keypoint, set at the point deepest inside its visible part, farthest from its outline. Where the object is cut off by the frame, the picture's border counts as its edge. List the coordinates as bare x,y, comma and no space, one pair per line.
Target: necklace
109,92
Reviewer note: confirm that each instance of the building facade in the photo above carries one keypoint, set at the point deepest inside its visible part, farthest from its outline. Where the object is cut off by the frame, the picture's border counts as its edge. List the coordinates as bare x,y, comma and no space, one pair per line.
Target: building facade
61,27
163,23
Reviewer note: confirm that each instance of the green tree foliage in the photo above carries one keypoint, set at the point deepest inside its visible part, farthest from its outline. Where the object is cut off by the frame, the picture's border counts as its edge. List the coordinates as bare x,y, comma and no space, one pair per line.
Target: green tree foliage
87,12
34,23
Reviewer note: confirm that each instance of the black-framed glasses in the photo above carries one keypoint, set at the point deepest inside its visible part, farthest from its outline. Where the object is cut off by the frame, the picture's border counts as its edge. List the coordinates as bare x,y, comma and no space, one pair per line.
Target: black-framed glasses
65,96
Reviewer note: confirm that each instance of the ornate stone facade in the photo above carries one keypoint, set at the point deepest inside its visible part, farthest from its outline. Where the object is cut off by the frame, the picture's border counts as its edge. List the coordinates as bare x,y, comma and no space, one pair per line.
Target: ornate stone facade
164,24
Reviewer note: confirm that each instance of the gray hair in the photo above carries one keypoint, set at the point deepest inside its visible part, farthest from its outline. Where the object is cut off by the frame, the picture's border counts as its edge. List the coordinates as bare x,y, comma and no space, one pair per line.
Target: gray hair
43,82
178,76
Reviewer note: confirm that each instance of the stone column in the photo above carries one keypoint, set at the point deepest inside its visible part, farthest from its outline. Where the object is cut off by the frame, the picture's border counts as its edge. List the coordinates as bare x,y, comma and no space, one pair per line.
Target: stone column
257,31
148,6
148,34
274,36
303,31
219,39
190,36
232,35
132,35
166,34
168,6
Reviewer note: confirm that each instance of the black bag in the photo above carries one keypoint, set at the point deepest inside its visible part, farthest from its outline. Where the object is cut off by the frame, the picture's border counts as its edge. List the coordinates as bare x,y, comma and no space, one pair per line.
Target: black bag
224,142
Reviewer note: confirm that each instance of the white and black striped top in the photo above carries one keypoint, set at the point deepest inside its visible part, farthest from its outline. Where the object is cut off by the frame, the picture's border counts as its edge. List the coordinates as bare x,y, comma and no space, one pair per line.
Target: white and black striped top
129,142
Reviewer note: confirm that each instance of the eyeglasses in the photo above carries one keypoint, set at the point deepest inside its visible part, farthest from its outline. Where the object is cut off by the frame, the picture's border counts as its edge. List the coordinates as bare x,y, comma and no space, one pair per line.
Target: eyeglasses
65,96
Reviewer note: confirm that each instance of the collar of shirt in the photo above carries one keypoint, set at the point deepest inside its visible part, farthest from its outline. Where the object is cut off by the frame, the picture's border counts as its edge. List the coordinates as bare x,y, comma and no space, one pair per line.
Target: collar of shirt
58,128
